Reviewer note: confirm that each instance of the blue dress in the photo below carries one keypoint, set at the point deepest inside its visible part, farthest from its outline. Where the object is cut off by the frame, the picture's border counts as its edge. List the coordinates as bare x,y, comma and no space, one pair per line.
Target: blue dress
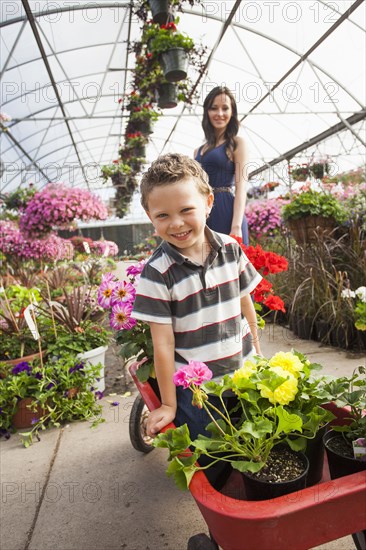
221,172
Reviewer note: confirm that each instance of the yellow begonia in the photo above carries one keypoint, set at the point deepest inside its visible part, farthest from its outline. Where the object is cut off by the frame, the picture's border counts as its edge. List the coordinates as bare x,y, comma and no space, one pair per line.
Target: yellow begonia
287,361
245,371
283,394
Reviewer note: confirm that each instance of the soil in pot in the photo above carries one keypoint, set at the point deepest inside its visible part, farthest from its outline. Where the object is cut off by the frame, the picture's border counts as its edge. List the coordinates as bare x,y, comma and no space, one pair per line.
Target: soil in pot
285,472
340,456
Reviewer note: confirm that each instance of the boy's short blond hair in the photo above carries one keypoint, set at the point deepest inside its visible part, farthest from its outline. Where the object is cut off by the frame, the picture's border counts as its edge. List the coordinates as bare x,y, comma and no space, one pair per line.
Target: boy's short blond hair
172,168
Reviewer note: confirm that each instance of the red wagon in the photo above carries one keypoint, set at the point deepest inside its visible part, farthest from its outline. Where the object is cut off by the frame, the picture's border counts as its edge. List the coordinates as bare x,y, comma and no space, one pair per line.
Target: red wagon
327,511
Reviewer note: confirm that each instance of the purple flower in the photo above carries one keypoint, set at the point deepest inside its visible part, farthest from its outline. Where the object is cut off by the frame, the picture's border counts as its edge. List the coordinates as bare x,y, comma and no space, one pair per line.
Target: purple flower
77,366
99,394
194,373
38,375
34,420
23,366
115,404
120,317
50,385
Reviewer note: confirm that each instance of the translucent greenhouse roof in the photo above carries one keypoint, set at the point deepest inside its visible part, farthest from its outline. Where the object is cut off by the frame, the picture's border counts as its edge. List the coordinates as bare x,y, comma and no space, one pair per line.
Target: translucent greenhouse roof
297,70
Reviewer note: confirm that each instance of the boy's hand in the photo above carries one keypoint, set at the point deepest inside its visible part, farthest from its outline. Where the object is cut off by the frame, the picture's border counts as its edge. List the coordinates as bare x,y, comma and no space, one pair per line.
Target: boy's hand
159,418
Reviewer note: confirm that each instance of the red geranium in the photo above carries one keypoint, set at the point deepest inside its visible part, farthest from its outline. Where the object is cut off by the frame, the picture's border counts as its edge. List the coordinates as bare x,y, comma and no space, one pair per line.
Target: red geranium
265,262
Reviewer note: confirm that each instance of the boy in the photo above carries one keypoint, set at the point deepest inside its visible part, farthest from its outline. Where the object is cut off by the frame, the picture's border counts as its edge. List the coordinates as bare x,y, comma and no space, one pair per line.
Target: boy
194,289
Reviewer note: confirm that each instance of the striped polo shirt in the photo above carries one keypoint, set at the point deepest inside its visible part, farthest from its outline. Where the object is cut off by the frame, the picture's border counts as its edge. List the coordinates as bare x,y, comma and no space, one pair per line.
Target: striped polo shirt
202,302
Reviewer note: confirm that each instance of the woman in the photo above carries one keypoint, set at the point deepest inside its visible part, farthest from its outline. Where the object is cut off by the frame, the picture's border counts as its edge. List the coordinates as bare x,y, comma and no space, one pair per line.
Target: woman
223,157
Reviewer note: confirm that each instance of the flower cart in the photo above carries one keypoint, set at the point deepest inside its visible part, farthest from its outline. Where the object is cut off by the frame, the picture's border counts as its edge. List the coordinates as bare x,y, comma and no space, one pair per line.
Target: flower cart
326,511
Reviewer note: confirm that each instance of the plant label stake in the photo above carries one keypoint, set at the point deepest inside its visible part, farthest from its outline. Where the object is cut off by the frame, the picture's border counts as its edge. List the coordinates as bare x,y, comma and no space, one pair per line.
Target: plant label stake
30,321
86,247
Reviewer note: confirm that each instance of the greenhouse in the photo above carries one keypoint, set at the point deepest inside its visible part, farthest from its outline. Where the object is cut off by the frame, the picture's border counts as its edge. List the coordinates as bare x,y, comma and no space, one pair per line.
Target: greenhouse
183,266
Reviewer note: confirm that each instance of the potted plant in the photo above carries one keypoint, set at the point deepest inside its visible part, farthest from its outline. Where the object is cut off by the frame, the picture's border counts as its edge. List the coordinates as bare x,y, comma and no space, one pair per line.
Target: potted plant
346,443
118,172
319,168
310,214
38,396
142,119
300,173
133,337
269,416
136,143
170,47
58,206
17,341
78,328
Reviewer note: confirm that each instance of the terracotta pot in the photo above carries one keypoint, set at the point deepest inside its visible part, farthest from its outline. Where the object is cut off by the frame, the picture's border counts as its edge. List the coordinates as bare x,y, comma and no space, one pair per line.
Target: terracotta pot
23,416
27,358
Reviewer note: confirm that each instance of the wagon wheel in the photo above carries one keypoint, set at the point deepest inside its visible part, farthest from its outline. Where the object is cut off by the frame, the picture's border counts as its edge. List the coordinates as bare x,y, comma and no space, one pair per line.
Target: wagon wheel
202,542
137,426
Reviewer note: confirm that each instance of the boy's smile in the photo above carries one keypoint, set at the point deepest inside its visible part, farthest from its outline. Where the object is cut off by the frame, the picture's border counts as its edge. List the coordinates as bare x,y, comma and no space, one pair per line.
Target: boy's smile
178,212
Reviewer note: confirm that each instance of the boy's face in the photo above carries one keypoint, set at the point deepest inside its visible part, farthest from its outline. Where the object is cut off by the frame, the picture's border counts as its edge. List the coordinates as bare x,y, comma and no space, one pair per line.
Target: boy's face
178,212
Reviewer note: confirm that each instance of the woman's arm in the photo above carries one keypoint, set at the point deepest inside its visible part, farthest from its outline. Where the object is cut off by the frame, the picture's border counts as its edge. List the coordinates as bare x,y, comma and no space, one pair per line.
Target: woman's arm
239,158
164,346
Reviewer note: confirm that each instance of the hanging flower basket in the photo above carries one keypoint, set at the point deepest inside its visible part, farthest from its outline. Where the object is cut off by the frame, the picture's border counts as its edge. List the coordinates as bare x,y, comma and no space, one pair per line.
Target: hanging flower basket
310,229
160,11
167,95
174,63
319,169
143,126
300,173
118,179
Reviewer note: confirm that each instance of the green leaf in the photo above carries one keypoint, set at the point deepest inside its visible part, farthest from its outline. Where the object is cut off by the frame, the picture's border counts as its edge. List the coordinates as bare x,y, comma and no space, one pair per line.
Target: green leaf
143,372
182,472
176,440
256,429
298,444
287,422
247,465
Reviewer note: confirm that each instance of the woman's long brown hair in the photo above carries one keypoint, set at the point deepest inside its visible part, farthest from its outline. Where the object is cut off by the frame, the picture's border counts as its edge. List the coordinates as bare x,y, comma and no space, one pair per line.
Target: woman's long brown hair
233,126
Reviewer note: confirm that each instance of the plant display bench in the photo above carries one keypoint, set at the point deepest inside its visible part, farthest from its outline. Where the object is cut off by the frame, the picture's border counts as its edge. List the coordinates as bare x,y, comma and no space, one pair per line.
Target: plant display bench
327,511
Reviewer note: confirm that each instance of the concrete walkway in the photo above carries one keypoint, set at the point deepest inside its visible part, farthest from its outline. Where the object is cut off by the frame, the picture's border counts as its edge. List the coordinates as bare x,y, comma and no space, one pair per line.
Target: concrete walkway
88,489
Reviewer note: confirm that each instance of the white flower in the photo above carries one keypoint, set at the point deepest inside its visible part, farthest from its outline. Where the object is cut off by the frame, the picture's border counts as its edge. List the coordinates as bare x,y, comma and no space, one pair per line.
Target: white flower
361,293
347,293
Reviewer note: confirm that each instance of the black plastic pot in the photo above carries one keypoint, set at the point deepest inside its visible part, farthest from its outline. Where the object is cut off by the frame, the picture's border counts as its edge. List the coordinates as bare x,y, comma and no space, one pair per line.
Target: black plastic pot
257,489
340,465
174,63
160,11
315,454
167,96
